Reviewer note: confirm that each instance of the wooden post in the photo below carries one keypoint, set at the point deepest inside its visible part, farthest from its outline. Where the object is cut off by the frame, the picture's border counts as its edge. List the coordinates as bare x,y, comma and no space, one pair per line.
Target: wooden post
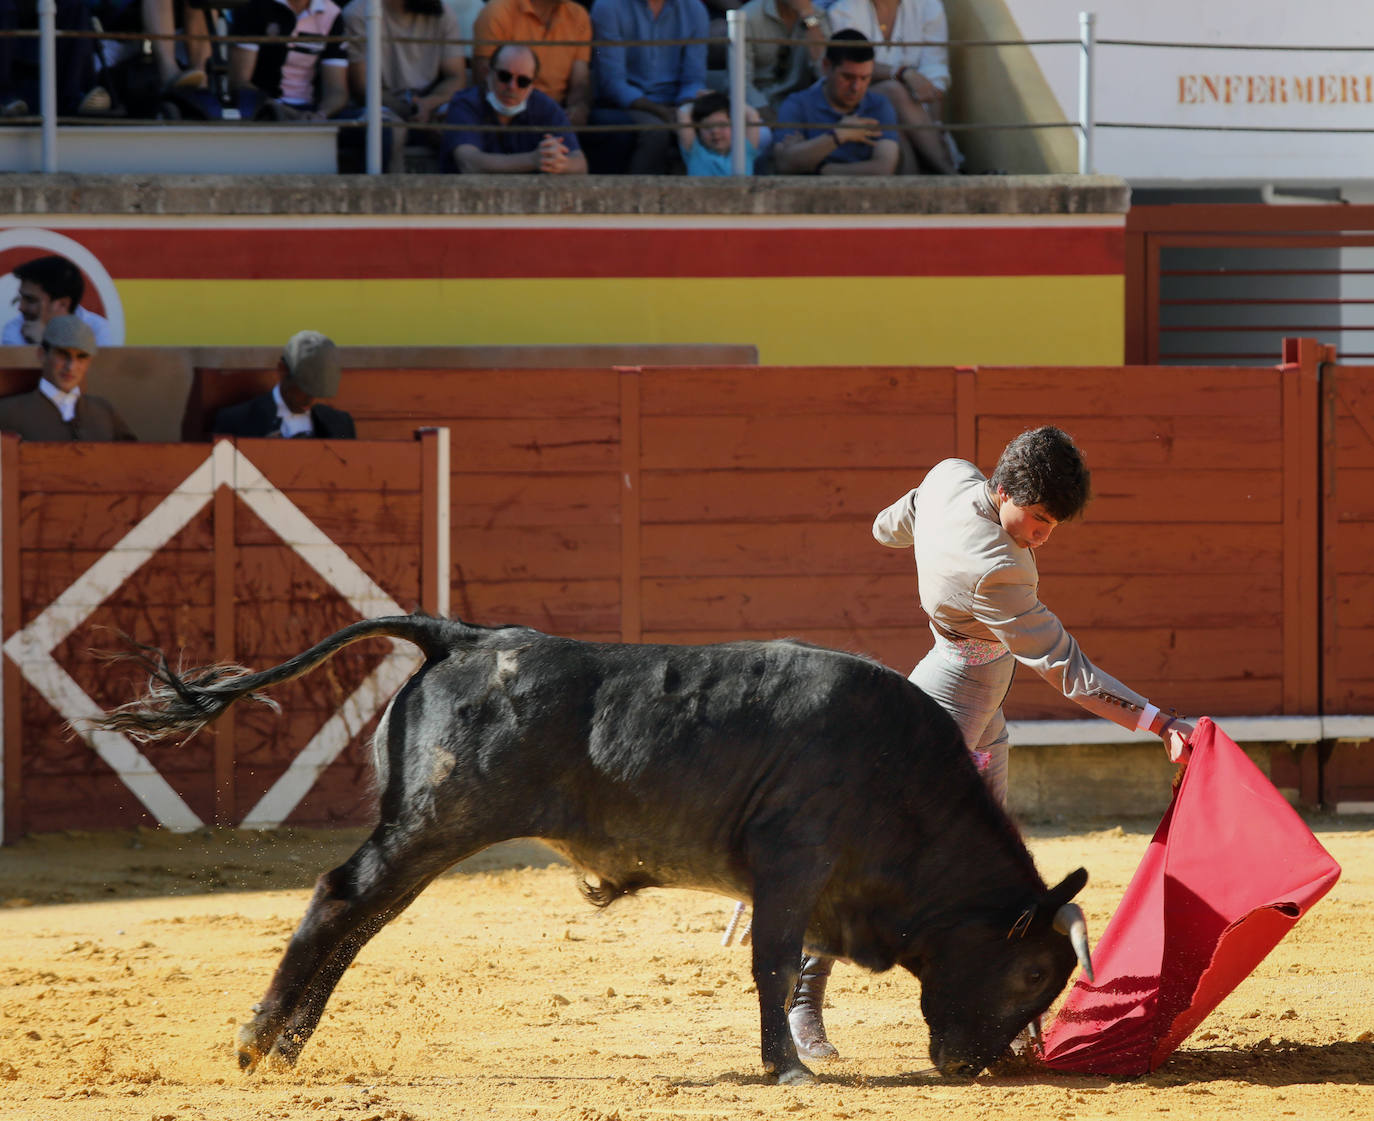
966,413
1136,287
1302,525
11,681
226,646
1330,389
631,602
436,521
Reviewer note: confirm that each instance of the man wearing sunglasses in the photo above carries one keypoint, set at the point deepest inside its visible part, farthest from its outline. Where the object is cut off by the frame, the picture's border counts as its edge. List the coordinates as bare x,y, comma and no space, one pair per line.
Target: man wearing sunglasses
507,126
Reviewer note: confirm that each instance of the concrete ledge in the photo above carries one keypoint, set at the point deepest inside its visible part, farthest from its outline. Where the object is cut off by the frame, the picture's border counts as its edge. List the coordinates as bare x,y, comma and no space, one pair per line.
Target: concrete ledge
551,356
1242,729
1123,780
411,195
162,149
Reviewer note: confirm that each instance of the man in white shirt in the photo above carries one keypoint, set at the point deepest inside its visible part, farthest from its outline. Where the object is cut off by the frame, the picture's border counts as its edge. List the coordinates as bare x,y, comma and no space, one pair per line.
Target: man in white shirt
49,287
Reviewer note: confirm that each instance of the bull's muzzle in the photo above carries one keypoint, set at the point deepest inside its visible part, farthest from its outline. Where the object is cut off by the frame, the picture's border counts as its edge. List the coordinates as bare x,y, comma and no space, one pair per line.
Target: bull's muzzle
951,1067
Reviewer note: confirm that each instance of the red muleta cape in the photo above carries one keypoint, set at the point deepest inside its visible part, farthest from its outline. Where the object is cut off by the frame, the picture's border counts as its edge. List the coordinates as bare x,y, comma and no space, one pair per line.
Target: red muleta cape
1229,872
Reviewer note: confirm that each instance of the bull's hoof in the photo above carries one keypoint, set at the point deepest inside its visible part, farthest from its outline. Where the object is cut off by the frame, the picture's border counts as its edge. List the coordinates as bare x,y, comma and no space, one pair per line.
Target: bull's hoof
797,1076
259,1043
250,1051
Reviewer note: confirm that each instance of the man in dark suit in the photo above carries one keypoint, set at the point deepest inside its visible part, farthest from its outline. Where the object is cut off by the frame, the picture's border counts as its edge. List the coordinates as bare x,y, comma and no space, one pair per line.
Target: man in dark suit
308,372
58,409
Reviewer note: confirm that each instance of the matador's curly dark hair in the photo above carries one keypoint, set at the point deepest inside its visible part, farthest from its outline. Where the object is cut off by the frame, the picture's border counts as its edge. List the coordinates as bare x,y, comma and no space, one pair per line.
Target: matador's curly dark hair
1043,466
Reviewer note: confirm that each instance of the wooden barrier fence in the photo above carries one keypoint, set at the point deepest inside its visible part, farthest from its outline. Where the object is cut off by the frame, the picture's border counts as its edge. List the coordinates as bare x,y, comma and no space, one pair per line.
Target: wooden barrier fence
1221,566
245,550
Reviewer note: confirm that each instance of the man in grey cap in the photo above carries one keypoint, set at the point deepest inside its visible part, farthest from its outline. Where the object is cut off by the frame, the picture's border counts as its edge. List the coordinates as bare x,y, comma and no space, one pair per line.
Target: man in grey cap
307,373
58,409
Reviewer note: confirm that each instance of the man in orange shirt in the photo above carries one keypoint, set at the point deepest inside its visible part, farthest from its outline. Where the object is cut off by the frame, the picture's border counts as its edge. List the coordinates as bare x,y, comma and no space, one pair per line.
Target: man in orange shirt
564,72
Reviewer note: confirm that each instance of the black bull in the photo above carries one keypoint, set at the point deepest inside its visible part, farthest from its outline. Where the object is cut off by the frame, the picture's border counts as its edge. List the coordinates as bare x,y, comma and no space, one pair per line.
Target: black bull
826,789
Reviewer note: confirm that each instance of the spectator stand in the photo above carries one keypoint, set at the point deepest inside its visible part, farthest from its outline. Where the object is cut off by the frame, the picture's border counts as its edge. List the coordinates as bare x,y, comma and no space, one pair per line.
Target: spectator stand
232,147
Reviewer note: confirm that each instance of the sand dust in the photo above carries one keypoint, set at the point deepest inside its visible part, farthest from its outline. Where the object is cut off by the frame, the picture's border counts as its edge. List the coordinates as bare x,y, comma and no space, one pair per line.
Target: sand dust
127,962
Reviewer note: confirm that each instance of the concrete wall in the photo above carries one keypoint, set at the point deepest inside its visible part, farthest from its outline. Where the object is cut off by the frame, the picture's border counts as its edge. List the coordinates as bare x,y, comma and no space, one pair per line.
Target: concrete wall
999,270
414,195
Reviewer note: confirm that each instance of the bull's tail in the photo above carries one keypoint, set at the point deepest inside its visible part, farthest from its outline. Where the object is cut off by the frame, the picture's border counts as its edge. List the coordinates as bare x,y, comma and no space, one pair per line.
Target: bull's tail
181,703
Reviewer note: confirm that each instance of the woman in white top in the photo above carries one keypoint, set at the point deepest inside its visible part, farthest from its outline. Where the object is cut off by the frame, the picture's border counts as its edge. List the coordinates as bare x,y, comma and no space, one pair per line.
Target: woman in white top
914,78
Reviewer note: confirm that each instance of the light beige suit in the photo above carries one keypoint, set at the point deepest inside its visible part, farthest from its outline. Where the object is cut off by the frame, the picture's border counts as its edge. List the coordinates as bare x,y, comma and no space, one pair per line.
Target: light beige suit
976,583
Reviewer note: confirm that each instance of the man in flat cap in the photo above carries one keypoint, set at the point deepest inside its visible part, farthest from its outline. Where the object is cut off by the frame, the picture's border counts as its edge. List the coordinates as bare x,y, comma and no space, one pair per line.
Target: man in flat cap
308,373
58,409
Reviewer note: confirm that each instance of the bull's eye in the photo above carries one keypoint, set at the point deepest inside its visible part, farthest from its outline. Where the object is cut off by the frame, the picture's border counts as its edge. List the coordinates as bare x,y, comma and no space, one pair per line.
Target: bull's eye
1035,976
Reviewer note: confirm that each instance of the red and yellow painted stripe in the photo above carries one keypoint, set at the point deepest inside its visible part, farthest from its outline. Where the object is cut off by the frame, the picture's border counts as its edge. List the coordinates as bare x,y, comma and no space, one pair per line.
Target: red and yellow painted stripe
834,289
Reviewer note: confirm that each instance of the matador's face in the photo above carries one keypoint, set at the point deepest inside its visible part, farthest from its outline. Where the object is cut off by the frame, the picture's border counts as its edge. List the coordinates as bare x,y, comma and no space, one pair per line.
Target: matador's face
1029,526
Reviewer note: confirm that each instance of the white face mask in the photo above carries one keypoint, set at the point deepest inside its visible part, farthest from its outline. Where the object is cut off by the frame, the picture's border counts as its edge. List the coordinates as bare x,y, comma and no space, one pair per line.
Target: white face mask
504,110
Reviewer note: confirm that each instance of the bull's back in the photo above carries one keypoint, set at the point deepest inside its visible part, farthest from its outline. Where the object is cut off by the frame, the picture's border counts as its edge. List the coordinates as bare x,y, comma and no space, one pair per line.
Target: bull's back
663,762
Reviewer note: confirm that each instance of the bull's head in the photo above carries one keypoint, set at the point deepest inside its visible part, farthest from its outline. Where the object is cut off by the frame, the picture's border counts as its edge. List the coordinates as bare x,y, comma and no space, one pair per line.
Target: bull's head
981,982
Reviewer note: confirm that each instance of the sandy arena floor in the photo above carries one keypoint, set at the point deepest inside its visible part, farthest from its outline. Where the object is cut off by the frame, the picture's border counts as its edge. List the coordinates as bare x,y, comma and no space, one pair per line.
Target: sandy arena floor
127,961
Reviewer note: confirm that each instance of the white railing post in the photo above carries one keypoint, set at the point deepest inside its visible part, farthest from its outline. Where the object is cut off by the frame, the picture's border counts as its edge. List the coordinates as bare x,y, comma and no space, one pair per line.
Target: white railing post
735,24
1087,22
373,106
47,80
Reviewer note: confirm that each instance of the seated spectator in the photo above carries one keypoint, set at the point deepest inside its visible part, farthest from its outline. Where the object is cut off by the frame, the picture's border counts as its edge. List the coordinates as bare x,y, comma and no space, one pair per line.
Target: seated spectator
308,374
176,70
58,409
419,76
705,136
564,72
914,79
838,126
423,66
287,73
643,84
49,287
19,66
506,99
775,69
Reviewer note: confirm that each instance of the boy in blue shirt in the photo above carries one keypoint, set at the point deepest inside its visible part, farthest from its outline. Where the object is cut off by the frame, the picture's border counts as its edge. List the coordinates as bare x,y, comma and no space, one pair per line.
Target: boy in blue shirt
705,136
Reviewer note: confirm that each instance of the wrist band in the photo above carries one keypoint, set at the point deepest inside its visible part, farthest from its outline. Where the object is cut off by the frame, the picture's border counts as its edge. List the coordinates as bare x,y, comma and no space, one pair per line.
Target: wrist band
1167,725
835,136
1147,717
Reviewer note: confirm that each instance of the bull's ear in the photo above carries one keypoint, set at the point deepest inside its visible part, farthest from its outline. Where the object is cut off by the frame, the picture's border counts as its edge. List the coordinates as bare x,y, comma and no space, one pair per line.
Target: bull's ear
1060,894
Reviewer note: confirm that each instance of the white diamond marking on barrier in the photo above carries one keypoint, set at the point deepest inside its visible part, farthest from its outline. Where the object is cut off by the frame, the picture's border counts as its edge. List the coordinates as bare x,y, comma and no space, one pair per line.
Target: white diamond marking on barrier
32,647
338,570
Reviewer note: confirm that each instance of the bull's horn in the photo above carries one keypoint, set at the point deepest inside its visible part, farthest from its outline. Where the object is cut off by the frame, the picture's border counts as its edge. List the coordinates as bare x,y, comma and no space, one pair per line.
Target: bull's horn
1069,920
